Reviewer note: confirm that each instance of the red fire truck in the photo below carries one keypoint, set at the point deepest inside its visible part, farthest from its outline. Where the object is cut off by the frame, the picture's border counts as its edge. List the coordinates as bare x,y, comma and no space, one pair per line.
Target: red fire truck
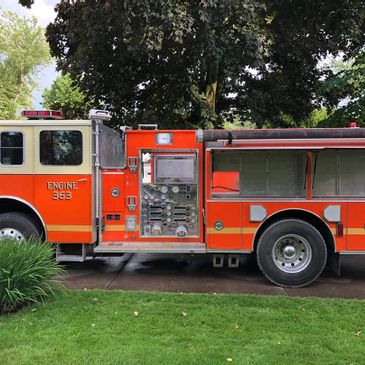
294,197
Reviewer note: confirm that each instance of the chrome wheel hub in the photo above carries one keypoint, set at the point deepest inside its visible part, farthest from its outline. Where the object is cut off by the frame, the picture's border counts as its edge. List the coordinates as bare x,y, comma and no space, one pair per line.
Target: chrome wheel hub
11,233
291,253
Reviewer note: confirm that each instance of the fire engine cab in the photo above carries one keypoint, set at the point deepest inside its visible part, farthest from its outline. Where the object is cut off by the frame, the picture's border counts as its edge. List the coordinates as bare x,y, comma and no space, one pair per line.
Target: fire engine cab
294,197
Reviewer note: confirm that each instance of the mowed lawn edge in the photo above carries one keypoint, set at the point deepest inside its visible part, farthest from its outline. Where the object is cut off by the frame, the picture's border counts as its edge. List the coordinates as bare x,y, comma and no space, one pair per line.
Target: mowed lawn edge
119,327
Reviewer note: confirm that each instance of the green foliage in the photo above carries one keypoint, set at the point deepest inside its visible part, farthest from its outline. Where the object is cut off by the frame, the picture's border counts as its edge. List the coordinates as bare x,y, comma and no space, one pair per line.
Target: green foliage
23,48
186,64
66,96
233,121
155,61
301,33
347,83
27,269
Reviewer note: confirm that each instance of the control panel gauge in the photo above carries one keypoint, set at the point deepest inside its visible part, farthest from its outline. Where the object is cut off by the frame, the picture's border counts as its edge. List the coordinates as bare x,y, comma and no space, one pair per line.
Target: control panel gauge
169,210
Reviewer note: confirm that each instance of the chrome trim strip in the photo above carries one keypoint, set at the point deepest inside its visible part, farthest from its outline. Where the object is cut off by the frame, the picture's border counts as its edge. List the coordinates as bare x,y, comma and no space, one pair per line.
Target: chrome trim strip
352,252
98,180
30,206
210,250
285,200
263,144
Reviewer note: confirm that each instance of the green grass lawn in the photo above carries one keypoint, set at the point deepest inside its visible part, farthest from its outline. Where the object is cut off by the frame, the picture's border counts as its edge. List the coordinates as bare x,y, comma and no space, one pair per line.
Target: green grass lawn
103,327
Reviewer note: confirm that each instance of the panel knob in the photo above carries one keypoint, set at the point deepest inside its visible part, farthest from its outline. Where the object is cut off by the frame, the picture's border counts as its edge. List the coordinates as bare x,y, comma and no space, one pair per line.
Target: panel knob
156,230
181,231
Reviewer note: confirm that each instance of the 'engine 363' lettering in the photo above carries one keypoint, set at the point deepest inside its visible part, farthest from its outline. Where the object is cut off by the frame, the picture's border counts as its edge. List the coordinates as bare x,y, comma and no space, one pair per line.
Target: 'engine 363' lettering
52,185
62,190
61,195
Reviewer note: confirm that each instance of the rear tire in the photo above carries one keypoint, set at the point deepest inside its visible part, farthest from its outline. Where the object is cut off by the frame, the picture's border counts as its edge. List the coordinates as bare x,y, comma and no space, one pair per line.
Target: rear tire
291,253
18,226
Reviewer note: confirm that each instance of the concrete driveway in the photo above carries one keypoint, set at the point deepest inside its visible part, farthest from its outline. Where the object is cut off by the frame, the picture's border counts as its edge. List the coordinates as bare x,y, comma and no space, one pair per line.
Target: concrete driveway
195,274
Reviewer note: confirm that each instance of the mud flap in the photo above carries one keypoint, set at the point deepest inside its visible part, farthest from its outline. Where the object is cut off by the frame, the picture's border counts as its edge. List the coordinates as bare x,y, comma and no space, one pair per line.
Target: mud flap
334,262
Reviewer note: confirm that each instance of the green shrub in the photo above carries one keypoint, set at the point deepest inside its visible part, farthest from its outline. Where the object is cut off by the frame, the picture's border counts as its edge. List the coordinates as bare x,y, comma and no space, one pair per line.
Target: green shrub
27,271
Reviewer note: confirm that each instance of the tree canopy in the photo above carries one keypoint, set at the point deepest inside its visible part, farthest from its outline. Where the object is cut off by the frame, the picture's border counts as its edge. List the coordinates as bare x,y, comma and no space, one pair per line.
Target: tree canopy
64,95
302,33
158,61
348,84
200,63
23,48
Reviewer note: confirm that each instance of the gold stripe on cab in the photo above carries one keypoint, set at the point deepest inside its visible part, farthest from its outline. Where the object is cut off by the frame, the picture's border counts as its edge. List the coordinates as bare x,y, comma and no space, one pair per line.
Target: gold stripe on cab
114,228
68,228
252,230
358,231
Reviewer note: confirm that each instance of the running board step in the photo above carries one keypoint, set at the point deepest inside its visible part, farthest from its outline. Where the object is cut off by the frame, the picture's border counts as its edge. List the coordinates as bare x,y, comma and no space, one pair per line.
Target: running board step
152,247
72,252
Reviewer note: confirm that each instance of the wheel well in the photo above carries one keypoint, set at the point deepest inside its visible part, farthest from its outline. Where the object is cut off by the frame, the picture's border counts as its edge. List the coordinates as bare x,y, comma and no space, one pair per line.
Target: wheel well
303,215
8,205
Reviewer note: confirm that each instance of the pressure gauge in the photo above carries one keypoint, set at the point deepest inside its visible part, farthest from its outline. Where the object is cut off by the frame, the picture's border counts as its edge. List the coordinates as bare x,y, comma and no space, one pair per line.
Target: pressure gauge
175,189
164,189
168,207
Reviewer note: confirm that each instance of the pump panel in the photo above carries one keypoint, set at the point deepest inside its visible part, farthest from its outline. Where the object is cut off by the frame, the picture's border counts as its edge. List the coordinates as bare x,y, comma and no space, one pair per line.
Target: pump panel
169,199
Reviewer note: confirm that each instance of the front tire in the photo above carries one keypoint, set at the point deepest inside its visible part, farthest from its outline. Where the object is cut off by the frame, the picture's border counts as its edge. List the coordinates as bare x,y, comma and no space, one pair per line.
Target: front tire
291,253
17,226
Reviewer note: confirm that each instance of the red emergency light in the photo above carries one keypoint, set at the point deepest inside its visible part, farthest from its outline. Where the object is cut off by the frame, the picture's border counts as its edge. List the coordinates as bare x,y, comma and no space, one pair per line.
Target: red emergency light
42,114
353,125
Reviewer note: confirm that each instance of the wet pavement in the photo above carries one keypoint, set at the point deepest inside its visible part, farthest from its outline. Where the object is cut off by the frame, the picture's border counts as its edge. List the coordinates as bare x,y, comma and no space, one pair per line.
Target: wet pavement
195,274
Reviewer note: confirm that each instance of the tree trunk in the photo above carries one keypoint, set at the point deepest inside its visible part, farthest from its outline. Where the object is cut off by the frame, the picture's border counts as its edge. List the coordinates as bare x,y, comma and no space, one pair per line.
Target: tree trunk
210,90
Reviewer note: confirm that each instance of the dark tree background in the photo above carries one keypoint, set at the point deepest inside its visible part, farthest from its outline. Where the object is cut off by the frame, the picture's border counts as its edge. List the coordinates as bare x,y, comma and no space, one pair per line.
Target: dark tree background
302,33
185,64
165,62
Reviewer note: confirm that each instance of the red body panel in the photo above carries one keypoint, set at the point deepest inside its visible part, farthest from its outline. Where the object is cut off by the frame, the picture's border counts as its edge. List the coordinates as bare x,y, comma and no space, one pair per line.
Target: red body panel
113,207
355,226
67,218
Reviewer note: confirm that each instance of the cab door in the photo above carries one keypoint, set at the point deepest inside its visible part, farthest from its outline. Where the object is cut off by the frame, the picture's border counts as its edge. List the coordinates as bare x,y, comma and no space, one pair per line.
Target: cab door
63,180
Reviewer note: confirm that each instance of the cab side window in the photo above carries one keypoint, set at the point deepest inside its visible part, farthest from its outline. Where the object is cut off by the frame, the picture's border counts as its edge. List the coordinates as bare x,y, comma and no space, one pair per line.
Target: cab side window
11,148
60,147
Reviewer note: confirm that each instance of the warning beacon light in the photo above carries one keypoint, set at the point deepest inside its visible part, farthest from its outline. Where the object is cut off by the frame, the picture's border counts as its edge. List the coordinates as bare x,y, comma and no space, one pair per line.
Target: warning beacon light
42,114
353,125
